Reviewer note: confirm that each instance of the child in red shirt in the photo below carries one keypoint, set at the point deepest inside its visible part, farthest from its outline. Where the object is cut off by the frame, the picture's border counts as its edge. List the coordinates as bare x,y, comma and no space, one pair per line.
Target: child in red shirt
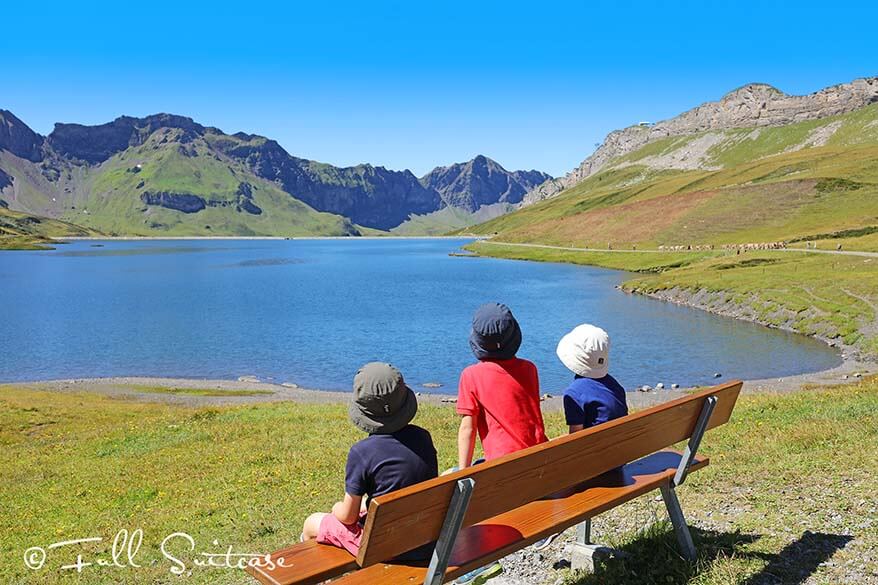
499,397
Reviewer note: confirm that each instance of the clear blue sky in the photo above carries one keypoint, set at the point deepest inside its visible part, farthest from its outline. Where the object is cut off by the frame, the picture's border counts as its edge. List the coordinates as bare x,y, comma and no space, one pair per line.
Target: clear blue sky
418,84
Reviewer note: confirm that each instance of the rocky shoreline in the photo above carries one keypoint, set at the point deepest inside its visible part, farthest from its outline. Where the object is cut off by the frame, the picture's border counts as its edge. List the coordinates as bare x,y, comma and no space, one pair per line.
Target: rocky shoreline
250,389
722,303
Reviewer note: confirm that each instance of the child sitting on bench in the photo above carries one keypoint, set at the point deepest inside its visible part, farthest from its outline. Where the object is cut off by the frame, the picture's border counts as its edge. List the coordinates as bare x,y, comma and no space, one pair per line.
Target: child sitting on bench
498,399
395,455
594,396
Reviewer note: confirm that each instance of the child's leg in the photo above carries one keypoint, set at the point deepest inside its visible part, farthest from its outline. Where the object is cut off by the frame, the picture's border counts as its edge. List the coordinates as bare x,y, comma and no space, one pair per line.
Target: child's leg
331,531
312,526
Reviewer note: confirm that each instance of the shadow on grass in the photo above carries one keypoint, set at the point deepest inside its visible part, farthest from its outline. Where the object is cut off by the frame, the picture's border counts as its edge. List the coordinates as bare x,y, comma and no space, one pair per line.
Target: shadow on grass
725,557
799,559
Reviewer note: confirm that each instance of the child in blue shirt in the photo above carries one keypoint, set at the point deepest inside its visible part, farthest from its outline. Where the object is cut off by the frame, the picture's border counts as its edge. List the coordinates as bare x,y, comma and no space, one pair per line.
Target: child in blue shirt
594,396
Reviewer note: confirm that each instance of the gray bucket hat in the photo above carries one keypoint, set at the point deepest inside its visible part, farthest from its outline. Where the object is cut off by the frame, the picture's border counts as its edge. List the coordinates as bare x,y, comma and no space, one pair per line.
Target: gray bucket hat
382,404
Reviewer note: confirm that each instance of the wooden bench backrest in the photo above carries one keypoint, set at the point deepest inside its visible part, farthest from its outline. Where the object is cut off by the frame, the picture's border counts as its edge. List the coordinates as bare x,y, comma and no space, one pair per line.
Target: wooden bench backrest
413,516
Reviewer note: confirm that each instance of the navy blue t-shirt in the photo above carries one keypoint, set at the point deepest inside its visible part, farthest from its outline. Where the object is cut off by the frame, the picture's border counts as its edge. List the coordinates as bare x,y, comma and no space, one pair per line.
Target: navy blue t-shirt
592,401
383,463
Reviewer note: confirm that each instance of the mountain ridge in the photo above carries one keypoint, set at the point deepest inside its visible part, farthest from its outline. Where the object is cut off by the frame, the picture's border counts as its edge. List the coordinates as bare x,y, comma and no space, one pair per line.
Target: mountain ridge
477,182
752,105
47,175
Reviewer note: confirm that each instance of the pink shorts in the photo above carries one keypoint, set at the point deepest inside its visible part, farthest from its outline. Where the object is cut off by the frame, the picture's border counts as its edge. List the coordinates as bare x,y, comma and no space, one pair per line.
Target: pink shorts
333,532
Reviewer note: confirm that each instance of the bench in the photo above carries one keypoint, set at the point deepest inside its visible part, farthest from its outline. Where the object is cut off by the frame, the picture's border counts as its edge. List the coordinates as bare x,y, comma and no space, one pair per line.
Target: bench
483,513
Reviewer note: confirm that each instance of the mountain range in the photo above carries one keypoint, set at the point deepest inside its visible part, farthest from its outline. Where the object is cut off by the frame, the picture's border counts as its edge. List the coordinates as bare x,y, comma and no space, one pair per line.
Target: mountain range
168,175
756,164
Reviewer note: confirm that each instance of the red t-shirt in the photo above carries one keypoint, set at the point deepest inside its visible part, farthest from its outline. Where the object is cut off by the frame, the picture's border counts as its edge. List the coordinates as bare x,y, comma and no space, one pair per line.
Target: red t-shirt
504,398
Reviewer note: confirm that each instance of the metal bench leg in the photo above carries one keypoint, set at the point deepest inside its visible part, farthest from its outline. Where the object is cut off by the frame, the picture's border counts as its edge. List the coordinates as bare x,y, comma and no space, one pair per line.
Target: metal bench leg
450,529
675,512
584,555
669,494
695,440
583,532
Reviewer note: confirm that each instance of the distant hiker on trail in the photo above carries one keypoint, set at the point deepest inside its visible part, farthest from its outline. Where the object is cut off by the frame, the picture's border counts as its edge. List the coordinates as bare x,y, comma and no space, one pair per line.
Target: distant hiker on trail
395,455
594,396
498,399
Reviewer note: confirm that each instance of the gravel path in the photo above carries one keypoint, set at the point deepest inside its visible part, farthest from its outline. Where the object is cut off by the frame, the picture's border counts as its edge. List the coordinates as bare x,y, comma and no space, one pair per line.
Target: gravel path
654,250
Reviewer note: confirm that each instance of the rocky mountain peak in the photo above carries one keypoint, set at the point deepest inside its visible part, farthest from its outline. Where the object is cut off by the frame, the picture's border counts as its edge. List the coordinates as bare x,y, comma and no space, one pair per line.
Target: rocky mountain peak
753,91
19,139
480,181
95,144
482,161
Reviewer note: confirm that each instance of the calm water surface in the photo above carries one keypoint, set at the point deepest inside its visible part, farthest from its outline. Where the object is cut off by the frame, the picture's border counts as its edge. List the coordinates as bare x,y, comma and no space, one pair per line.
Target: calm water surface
312,311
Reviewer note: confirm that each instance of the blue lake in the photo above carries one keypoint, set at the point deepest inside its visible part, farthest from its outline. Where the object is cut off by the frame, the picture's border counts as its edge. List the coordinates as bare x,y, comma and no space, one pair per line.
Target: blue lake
312,311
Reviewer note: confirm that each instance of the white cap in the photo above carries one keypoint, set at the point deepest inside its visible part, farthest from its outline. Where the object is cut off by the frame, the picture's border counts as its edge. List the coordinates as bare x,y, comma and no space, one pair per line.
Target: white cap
586,351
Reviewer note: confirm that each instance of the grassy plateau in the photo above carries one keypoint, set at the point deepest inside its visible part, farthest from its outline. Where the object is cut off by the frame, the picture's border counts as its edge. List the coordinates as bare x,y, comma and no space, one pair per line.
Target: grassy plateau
789,471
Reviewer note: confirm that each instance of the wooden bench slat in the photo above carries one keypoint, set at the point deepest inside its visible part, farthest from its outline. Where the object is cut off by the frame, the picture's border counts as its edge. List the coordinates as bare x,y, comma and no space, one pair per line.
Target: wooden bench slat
506,533
306,563
413,516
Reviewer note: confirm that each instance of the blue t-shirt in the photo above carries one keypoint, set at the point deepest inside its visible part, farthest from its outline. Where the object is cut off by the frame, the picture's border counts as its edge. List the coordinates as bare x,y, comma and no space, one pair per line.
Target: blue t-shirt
383,463
592,401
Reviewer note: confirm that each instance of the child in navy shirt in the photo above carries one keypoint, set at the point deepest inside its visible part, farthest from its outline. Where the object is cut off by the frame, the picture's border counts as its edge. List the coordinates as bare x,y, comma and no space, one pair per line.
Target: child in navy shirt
594,397
396,454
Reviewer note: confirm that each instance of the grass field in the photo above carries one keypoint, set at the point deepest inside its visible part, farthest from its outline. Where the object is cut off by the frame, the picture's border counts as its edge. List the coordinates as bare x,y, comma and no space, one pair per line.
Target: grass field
79,465
196,391
823,295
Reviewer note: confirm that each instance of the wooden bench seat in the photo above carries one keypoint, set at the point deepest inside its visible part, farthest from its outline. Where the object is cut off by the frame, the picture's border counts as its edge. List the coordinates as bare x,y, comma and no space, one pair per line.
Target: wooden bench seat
485,512
306,563
497,537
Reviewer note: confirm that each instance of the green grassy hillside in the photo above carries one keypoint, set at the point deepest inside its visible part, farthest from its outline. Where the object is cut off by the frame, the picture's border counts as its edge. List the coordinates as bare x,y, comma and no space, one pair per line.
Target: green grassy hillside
171,165
449,219
764,185
21,231
831,297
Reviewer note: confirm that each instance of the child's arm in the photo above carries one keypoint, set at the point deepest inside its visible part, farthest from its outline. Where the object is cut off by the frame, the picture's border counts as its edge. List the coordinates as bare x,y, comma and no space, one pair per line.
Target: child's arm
348,510
466,441
574,413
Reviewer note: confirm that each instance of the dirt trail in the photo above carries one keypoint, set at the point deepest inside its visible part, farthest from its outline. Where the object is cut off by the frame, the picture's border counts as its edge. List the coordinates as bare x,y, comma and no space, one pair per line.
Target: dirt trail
655,250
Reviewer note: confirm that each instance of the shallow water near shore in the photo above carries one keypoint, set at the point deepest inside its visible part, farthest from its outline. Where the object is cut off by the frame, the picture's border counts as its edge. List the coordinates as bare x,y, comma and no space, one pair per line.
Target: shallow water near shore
312,311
